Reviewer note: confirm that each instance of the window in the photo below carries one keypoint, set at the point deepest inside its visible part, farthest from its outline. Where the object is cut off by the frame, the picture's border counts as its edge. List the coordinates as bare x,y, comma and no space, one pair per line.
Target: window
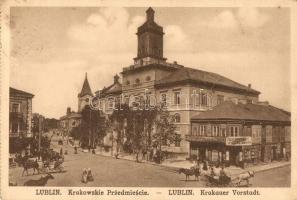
148,99
148,78
222,132
164,99
234,131
73,123
177,118
195,130
177,98
204,99
127,82
197,99
15,107
177,138
215,131
87,100
220,99
202,130
137,81
110,103
126,100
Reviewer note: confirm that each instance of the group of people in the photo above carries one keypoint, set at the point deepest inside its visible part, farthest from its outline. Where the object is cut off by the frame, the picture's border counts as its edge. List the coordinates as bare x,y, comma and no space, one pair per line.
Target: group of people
215,171
87,175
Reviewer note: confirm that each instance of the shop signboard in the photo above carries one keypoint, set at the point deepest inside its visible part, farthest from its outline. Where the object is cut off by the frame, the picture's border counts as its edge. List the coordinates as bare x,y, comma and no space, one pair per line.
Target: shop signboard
238,141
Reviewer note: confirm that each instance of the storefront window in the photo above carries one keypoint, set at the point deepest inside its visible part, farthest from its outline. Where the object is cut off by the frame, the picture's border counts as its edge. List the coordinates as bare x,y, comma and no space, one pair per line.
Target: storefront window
214,155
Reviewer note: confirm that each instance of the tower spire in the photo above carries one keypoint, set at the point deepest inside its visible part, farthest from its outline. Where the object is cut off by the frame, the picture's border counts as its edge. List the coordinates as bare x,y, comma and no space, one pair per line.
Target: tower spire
86,89
150,14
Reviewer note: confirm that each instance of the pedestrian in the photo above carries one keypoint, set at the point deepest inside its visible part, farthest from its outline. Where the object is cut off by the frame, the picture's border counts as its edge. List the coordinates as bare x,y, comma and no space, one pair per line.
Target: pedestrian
84,176
61,151
75,150
89,175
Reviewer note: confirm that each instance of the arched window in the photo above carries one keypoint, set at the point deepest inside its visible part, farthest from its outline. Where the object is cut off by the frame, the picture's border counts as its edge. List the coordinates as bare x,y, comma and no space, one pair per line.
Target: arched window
177,118
127,82
137,81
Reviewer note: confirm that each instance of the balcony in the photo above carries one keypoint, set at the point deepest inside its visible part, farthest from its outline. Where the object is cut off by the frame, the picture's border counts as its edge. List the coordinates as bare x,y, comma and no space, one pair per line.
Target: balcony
15,115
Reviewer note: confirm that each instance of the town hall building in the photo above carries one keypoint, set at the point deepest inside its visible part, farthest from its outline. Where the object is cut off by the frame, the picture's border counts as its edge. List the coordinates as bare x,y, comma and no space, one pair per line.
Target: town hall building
185,91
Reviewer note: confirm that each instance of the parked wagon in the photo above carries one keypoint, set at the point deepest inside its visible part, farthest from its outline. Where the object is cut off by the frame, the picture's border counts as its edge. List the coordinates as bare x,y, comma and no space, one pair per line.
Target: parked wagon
52,167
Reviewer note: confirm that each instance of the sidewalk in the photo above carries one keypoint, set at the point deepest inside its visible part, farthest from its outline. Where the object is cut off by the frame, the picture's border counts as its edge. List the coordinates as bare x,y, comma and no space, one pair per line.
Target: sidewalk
176,164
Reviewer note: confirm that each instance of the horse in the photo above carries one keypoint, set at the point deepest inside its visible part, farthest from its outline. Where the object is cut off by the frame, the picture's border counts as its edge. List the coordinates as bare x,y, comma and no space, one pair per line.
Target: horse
190,172
40,182
245,177
30,164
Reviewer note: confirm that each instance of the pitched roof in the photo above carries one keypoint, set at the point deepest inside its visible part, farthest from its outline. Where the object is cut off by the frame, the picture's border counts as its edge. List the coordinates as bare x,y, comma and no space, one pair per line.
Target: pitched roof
112,89
150,24
13,91
230,111
86,89
194,75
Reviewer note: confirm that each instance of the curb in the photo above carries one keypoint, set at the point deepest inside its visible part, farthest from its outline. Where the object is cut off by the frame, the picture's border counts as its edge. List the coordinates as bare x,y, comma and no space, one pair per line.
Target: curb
269,168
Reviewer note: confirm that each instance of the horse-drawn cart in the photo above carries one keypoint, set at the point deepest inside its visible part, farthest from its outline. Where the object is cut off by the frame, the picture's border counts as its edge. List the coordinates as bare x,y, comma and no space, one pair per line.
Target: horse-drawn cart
219,181
52,167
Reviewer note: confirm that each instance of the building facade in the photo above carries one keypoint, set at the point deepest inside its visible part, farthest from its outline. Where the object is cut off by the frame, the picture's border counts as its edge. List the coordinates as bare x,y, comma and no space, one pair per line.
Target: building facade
185,91
240,134
72,119
20,116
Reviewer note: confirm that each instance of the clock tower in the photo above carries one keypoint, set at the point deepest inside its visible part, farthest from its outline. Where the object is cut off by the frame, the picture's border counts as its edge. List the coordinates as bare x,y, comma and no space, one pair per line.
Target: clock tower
150,40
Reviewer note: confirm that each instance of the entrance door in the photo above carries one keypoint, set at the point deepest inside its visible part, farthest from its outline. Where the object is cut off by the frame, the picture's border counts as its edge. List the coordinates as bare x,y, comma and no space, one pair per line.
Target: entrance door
234,156
202,154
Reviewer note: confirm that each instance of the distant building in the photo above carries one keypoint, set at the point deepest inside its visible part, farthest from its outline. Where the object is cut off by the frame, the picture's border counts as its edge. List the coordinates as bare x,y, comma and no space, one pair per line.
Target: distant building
72,119
185,91
51,123
20,116
240,134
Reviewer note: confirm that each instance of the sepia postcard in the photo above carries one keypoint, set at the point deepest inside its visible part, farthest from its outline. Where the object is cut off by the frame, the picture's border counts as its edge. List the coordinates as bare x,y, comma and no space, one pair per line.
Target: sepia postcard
148,99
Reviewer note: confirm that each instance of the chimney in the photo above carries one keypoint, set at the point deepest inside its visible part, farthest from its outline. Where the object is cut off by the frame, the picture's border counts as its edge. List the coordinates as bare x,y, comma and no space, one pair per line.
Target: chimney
68,110
250,85
116,78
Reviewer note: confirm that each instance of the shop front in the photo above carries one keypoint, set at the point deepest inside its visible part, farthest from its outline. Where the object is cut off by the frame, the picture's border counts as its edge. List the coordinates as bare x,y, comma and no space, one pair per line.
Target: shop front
227,151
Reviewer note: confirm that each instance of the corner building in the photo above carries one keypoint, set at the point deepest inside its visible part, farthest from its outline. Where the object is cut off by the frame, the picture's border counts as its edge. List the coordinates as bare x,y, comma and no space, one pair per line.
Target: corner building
185,91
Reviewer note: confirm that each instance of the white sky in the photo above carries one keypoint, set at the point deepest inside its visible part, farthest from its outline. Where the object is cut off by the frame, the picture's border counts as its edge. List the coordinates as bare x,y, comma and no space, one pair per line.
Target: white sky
52,48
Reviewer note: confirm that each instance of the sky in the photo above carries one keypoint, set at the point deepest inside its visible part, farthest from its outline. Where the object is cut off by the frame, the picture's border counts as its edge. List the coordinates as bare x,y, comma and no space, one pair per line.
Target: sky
52,48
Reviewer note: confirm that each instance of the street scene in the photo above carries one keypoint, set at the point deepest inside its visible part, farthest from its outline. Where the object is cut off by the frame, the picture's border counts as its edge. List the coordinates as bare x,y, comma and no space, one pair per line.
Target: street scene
107,170
103,120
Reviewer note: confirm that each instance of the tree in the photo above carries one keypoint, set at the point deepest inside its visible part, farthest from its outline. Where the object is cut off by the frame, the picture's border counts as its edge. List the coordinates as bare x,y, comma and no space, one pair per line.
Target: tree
91,128
139,123
165,129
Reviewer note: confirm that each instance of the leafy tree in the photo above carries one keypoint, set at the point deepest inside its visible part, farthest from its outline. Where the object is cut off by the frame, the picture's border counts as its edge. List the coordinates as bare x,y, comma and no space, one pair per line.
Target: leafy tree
92,128
139,123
